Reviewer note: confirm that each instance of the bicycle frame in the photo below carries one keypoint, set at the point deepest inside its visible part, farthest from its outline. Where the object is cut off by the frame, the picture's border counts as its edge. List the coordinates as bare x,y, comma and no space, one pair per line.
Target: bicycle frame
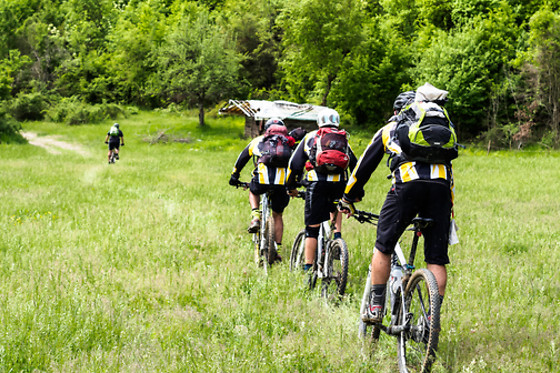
413,302
325,232
264,217
396,295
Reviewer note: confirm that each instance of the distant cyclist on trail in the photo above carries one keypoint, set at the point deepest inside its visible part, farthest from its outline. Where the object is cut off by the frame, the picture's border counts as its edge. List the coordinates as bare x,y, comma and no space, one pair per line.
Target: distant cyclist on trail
270,152
115,139
422,184
326,155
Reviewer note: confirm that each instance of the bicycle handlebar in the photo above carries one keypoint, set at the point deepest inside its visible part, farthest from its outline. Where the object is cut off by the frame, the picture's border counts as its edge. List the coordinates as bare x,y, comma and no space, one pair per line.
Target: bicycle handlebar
242,184
365,217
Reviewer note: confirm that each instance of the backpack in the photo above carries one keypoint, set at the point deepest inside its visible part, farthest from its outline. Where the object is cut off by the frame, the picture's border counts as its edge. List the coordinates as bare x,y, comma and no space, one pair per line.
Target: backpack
275,147
114,131
329,152
425,134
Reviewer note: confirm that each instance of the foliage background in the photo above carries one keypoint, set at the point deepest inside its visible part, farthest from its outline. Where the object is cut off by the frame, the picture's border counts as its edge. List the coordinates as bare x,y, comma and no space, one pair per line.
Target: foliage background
499,59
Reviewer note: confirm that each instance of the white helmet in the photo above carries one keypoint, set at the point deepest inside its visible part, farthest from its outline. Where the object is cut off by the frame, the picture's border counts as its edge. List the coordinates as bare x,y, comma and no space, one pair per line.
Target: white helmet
328,117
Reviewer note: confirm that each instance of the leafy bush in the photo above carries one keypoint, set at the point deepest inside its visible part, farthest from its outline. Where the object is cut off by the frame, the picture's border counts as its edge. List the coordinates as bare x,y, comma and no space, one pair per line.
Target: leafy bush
73,112
9,128
28,106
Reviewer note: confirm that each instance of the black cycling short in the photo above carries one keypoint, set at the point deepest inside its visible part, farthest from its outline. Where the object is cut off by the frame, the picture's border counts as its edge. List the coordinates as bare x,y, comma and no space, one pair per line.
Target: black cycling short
319,200
279,198
428,199
114,145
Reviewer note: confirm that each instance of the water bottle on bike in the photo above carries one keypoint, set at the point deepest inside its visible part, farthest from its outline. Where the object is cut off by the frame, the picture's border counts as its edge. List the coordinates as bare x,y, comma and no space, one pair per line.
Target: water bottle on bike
395,281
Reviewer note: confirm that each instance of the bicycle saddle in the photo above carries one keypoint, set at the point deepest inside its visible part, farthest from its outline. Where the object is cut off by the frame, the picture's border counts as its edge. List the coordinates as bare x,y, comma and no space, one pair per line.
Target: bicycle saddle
421,223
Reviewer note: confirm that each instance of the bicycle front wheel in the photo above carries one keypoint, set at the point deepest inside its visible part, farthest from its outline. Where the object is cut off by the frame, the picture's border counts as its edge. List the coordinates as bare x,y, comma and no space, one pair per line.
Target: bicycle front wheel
297,257
334,284
416,347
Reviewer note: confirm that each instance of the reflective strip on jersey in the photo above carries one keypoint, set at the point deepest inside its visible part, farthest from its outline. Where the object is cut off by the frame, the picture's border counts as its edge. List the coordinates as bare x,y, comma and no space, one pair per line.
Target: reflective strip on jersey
438,171
408,172
280,178
262,170
270,175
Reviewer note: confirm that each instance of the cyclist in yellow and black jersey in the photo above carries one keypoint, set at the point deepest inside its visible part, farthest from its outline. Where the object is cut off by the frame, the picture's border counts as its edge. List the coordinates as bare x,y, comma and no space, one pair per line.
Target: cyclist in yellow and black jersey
265,178
323,188
417,189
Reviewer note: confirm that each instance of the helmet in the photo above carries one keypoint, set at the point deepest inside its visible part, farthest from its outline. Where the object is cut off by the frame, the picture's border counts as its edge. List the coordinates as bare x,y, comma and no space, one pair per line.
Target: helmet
116,125
328,117
403,99
272,121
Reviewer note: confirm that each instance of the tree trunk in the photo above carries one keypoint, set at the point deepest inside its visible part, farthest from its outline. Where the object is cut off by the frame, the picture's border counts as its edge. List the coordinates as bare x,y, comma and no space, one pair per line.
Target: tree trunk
201,114
330,79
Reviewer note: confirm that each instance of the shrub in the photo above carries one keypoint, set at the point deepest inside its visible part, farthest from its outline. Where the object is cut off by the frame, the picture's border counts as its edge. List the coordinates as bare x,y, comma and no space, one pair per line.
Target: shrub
28,106
73,112
9,128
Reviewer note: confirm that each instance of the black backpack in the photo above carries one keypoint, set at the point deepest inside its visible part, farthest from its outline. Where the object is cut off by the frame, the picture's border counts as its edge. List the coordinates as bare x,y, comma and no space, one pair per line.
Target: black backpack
275,147
425,134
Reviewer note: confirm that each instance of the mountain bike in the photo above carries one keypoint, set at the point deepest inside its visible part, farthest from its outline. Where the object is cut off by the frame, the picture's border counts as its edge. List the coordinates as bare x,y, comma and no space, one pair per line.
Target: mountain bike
263,241
113,158
331,259
413,304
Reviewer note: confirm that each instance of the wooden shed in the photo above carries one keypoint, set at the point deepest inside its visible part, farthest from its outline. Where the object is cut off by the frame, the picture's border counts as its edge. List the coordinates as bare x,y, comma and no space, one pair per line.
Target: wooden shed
257,112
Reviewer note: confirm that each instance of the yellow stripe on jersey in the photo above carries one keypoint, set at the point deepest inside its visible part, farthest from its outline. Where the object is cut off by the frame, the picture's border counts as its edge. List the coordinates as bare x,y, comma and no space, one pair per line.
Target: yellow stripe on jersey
263,174
312,176
385,137
280,176
351,181
334,178
438,171
408,172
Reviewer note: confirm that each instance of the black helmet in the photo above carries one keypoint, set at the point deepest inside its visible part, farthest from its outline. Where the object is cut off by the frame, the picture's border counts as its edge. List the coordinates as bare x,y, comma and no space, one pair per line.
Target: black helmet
116,125
403,99
272,121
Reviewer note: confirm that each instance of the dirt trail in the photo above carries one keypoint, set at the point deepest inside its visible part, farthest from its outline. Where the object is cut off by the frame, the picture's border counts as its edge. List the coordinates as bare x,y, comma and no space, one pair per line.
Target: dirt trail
52,145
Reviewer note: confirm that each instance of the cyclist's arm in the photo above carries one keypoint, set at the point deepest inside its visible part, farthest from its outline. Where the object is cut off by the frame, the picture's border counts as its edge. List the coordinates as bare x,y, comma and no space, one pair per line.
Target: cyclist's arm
353,159
107,138
242,160
296,164
122,139
368,162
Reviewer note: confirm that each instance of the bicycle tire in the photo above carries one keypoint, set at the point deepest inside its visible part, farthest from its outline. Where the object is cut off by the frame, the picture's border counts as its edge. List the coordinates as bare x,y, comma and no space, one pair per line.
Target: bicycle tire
363,328
270,254
297,256
334,284
416,348
256,239
263,250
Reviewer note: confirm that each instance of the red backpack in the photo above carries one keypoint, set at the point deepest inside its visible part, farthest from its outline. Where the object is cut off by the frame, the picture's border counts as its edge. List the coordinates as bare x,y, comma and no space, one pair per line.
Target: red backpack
329,152
276,147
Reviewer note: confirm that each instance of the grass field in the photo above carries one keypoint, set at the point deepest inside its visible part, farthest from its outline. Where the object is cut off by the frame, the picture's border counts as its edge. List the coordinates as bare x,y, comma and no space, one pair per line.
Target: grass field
145,266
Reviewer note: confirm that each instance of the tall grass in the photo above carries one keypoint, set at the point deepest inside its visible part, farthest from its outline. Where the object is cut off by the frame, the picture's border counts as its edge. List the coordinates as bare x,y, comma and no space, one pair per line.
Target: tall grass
145,265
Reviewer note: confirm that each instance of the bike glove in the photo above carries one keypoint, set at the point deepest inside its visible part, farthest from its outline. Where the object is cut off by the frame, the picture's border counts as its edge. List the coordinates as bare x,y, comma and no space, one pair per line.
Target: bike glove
346,207
234,179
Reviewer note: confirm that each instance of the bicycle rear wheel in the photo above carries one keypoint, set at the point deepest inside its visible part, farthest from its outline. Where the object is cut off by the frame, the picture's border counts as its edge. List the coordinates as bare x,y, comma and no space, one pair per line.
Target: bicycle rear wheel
270,254
297,257
416,347
334,284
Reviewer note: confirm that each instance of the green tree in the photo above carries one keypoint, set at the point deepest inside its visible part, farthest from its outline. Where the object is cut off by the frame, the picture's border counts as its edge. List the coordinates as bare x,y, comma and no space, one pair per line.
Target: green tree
544,41
10,68
470,62
258,37
319,36
197,63
133,45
